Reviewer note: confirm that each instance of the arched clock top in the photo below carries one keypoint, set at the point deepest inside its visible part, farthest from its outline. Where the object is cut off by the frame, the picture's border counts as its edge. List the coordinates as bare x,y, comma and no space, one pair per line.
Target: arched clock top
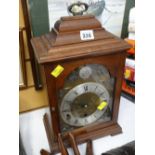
66,43
112,64
76,24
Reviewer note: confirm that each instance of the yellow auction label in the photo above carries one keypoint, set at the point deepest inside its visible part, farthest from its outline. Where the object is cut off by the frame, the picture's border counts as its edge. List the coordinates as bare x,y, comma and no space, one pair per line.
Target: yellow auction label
102,105
127,73
57,71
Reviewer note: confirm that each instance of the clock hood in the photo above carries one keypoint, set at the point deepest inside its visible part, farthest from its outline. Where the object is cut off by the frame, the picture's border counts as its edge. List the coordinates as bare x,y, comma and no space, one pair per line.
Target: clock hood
64,41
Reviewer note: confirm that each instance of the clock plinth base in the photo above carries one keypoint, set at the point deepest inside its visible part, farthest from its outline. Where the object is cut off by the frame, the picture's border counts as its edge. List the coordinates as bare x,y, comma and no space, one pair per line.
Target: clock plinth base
44,152
112,130
114,134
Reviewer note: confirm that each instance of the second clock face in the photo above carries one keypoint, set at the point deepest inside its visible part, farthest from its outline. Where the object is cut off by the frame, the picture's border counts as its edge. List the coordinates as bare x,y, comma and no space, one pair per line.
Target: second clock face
80,106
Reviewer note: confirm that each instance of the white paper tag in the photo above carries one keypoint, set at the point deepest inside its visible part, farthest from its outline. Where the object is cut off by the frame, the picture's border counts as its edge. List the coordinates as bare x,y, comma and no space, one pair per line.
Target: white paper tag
87,35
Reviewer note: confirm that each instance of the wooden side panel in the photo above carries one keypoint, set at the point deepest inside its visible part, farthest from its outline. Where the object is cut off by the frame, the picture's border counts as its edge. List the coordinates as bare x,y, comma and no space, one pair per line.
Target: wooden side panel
118,86
52,96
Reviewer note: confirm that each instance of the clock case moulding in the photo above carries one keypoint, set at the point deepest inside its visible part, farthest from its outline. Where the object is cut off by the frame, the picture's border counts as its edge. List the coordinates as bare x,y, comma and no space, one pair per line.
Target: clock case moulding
63,46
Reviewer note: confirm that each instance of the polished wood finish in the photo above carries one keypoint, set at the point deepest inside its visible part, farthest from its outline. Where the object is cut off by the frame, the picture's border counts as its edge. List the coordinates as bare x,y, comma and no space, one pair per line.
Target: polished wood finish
49,131
82,22
44,152
89,149
63,46
113,62
73,143
83,138
62,148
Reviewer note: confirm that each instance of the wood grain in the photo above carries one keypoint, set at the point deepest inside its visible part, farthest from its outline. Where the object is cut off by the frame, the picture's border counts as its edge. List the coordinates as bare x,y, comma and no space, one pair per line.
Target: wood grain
44,152
62,148
89,149
73,143
49,132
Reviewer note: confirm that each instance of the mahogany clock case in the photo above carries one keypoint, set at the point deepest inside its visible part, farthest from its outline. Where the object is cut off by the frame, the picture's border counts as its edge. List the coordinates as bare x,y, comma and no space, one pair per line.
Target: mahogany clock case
63,46
114,63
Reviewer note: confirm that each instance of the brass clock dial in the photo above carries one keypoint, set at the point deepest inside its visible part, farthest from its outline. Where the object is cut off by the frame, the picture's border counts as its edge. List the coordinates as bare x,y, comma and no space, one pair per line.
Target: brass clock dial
79,105
85,89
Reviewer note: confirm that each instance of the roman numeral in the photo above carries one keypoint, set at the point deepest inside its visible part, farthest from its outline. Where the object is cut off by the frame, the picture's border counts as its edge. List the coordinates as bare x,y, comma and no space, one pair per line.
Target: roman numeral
76,121
101,94
76,93
86,88
67,101
94,116
86,121
66,110
95,88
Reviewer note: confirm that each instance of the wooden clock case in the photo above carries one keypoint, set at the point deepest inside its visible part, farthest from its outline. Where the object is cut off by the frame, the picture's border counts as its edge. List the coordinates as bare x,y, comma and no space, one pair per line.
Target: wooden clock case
63,46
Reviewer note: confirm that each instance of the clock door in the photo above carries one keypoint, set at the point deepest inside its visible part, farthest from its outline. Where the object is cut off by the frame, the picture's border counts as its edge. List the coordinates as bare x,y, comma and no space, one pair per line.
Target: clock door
86,97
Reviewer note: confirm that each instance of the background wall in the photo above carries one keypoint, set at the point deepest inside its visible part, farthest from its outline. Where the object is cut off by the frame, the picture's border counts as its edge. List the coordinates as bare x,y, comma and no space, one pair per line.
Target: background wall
29,98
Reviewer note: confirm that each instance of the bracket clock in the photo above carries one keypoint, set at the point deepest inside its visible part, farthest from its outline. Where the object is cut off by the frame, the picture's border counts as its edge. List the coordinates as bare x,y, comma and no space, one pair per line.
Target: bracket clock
83,66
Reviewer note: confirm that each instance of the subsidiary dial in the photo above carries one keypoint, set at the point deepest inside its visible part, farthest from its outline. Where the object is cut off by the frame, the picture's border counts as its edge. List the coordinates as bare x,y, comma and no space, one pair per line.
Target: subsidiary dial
85,72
